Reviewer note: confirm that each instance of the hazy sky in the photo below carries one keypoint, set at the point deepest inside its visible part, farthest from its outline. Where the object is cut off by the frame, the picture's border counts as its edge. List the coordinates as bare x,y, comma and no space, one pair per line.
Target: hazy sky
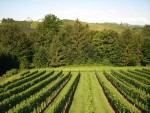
126,11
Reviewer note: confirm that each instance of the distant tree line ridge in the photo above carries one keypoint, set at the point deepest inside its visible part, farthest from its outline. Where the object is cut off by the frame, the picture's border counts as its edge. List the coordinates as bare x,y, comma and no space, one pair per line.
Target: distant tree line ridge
53,44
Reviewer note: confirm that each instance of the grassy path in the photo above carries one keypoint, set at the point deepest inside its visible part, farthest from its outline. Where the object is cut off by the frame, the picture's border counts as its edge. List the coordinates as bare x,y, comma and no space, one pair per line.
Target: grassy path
80,97
89,96
100,101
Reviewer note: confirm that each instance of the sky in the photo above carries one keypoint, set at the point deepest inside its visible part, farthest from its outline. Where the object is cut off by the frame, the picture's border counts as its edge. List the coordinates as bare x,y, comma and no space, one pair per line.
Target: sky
135,12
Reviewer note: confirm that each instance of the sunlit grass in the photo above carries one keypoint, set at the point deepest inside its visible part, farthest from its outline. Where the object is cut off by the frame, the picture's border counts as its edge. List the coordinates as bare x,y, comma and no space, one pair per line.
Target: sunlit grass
75,68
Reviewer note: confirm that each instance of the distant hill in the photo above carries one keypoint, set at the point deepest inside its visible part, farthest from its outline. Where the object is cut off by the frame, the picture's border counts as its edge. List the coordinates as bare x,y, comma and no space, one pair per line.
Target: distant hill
101,26
25,26
29,26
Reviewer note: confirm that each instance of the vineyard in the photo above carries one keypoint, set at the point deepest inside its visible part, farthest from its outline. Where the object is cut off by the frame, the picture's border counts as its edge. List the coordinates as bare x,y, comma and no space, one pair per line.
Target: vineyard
77,91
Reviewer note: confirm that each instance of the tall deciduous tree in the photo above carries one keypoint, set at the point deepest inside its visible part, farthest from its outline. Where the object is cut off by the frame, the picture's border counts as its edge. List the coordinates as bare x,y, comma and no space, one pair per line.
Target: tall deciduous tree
51,22
57,53
43,37
79,40
109,37
97,46
137,45
104,45
126,46
8,20
41,57
146,51
64,38
13,41
146,31
146,45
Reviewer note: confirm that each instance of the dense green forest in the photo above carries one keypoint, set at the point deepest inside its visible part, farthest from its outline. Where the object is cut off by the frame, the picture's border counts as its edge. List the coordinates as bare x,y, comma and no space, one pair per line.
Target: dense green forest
55,43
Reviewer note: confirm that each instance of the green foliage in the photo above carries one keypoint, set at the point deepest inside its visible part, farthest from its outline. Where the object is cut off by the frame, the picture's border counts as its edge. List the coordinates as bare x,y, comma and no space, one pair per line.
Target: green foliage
116,100
45,42
57,53
126,46
14,42
10,73
55,42
146,52
146,31
89,90
50,22
34,24
97,45
23,24
79,39
137,48
40,58
108,26
106,62
7,62
7,20
131,89
146,45
104,46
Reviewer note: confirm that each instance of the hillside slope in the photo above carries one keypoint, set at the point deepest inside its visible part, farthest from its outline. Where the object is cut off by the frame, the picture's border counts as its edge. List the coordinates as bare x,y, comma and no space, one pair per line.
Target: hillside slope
28,26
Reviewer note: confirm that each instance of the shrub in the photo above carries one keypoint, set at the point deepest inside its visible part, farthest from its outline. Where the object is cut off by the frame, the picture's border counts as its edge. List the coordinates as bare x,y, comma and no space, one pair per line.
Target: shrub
10,73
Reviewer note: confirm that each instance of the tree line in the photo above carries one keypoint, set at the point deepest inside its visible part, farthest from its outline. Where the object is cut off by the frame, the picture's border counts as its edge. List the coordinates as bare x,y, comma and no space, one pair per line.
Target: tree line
53,44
